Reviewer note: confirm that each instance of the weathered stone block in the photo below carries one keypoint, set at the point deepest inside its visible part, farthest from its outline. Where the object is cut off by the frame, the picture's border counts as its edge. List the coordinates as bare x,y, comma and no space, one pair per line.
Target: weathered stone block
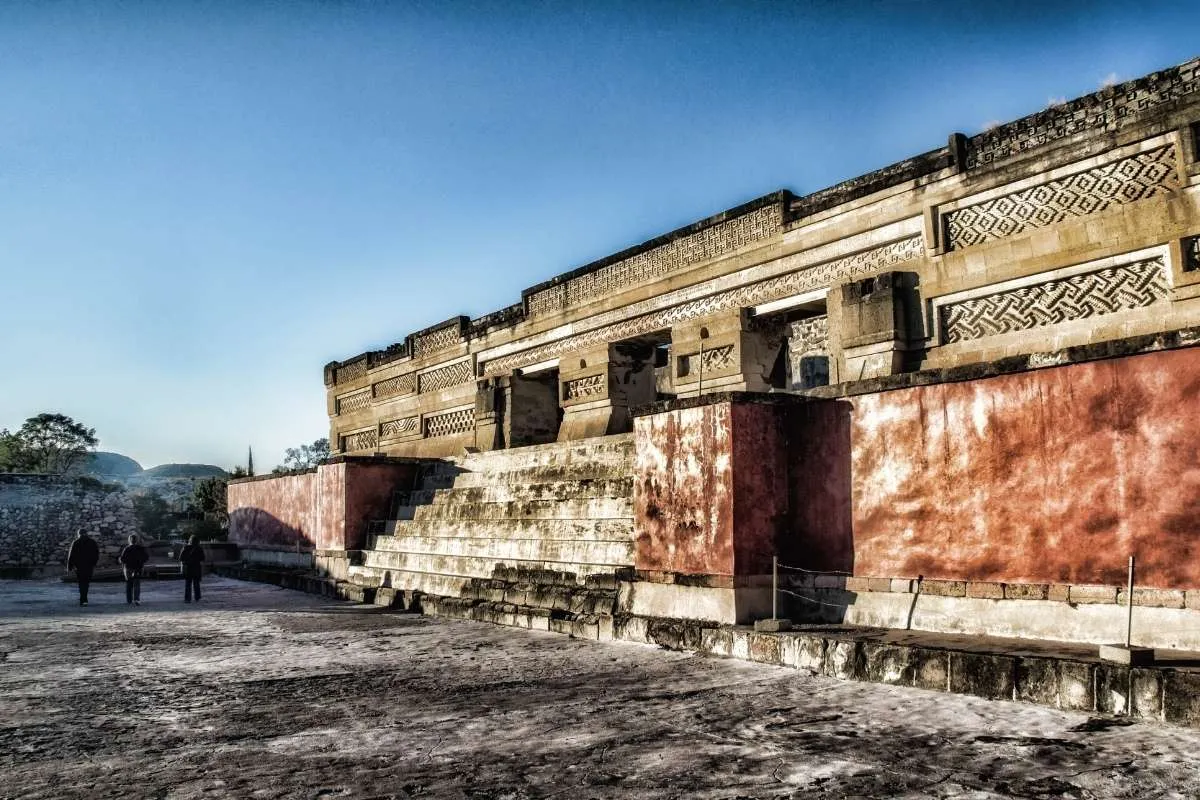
1145,691
1112,689
857,585
1093,594
802,652
880,585
843,660
1026,591
1037,681
1059,592
717,641
904,585
1154,598
1076,686
1181,697
944,588
887,663
985,589
764,648
930,668
983,675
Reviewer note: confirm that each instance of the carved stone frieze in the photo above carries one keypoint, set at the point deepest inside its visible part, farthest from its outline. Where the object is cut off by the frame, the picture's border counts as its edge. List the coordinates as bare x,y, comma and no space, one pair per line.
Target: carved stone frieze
360,440
1124,181
706,244
451,422
400,427
591,386
352,371
792,283
400,384
445,377
353,402
1090,294
436,341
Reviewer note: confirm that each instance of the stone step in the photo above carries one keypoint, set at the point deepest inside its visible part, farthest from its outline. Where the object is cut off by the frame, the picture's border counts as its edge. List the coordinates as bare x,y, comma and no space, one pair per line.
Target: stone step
504,549
528,492
569,472
549,529
576,508
597,627
605,449
466,567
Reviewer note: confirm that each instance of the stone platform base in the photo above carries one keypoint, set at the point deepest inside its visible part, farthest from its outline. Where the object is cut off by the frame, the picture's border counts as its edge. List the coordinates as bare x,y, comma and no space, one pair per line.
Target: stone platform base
1064,675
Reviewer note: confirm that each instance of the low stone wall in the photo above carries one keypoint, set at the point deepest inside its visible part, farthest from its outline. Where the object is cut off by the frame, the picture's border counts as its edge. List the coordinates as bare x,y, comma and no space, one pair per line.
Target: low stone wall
39,515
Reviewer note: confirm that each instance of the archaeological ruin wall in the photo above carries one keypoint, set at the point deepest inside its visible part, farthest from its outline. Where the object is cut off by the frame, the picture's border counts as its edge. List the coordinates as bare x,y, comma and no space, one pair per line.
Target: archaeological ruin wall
1075,225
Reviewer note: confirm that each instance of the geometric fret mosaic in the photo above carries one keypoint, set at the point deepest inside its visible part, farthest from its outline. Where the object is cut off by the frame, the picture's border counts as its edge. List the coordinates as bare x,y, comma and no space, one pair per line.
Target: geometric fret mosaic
399,427
362,440
353,402
445,377
450,423
1091,294
1128,180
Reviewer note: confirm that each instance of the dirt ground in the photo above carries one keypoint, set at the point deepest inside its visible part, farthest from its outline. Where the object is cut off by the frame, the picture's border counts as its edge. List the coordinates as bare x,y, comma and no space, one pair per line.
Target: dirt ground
264,693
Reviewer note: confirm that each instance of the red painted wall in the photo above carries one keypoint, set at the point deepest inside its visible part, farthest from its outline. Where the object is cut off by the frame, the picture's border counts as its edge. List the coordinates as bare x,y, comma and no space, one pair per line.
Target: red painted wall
1053,475
711,491
274,512
324,510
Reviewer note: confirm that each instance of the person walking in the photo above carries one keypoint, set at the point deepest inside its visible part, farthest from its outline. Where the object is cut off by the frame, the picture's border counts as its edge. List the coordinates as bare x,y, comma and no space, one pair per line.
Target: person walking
191,562
82,558
133,558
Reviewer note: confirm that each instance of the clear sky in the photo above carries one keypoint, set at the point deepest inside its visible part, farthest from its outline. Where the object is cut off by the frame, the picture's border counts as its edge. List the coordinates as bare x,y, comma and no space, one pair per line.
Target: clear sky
203,203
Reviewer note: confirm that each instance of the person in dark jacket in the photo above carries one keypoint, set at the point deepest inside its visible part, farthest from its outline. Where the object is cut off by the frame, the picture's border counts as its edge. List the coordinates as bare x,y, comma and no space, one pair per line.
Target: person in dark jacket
82,557
191,562
133,558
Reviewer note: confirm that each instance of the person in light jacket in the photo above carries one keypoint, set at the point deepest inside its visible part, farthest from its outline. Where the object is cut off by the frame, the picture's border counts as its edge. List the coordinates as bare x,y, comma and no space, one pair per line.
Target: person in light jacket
82,557
133,558
191,563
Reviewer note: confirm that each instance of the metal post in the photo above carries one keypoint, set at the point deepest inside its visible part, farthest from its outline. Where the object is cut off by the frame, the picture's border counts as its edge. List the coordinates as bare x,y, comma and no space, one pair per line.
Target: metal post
1129,601
774,586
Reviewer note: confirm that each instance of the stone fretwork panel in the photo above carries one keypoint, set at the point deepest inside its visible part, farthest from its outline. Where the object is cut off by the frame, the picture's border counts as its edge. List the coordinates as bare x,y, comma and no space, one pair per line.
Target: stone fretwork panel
1127,180
1098,111
352,371
452,422
360,440
718,359
591,386
436,341
808,352
1090,294
704,245
398,385
793,283
353,402
405,426
445,377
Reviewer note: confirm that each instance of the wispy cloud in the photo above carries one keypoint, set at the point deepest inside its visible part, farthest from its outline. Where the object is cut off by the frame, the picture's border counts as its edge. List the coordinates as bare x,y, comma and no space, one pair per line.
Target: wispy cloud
1110,79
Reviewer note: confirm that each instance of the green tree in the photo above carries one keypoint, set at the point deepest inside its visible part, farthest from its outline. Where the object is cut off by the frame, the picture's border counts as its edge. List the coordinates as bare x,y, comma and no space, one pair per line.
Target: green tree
153,515
306,456
47,443
208,498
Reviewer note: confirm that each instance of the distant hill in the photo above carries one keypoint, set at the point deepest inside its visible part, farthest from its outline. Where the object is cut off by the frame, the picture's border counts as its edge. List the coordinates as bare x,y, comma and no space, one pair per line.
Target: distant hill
105,463
185,471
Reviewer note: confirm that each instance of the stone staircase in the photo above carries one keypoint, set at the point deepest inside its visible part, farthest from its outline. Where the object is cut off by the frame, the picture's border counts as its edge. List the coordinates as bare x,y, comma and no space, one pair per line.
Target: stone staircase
533,537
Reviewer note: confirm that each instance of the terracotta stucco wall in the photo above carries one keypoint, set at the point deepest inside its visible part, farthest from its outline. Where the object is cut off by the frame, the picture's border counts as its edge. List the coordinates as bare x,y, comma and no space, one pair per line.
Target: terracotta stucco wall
1056,474
274,512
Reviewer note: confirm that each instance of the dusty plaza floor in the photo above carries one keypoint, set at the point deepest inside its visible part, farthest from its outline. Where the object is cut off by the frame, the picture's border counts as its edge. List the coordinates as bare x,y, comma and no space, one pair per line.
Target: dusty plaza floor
261,692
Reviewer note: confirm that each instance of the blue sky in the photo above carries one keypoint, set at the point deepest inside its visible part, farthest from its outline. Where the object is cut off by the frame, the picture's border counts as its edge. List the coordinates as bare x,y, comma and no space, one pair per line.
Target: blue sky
201,204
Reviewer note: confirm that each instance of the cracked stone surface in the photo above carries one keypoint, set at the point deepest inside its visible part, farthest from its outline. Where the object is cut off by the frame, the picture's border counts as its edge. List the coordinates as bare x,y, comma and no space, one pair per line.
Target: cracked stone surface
264,693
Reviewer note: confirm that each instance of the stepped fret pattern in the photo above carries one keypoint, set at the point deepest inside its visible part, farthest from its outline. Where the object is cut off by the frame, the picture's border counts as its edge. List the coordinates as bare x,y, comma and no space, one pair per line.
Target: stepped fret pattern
436,341
1125,181
360,440
704,245
400,427
453,422
591,386
400,384
353,402
718,358
445,377
803,280
1102,109
1091,294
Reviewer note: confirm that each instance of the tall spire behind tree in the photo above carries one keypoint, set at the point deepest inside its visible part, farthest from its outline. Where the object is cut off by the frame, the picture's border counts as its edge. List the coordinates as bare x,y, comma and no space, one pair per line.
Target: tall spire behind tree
250,462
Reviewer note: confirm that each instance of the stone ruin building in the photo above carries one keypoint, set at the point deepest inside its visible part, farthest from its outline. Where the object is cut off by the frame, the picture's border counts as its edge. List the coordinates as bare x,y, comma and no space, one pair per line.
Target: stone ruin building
953,394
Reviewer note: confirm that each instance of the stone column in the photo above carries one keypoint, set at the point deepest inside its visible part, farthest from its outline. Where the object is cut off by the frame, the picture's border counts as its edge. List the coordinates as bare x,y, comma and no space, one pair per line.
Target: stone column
737,356
877,321
598,387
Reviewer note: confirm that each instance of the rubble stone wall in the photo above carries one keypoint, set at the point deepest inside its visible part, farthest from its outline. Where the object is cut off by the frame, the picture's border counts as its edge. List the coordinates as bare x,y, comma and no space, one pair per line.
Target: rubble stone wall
39,515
